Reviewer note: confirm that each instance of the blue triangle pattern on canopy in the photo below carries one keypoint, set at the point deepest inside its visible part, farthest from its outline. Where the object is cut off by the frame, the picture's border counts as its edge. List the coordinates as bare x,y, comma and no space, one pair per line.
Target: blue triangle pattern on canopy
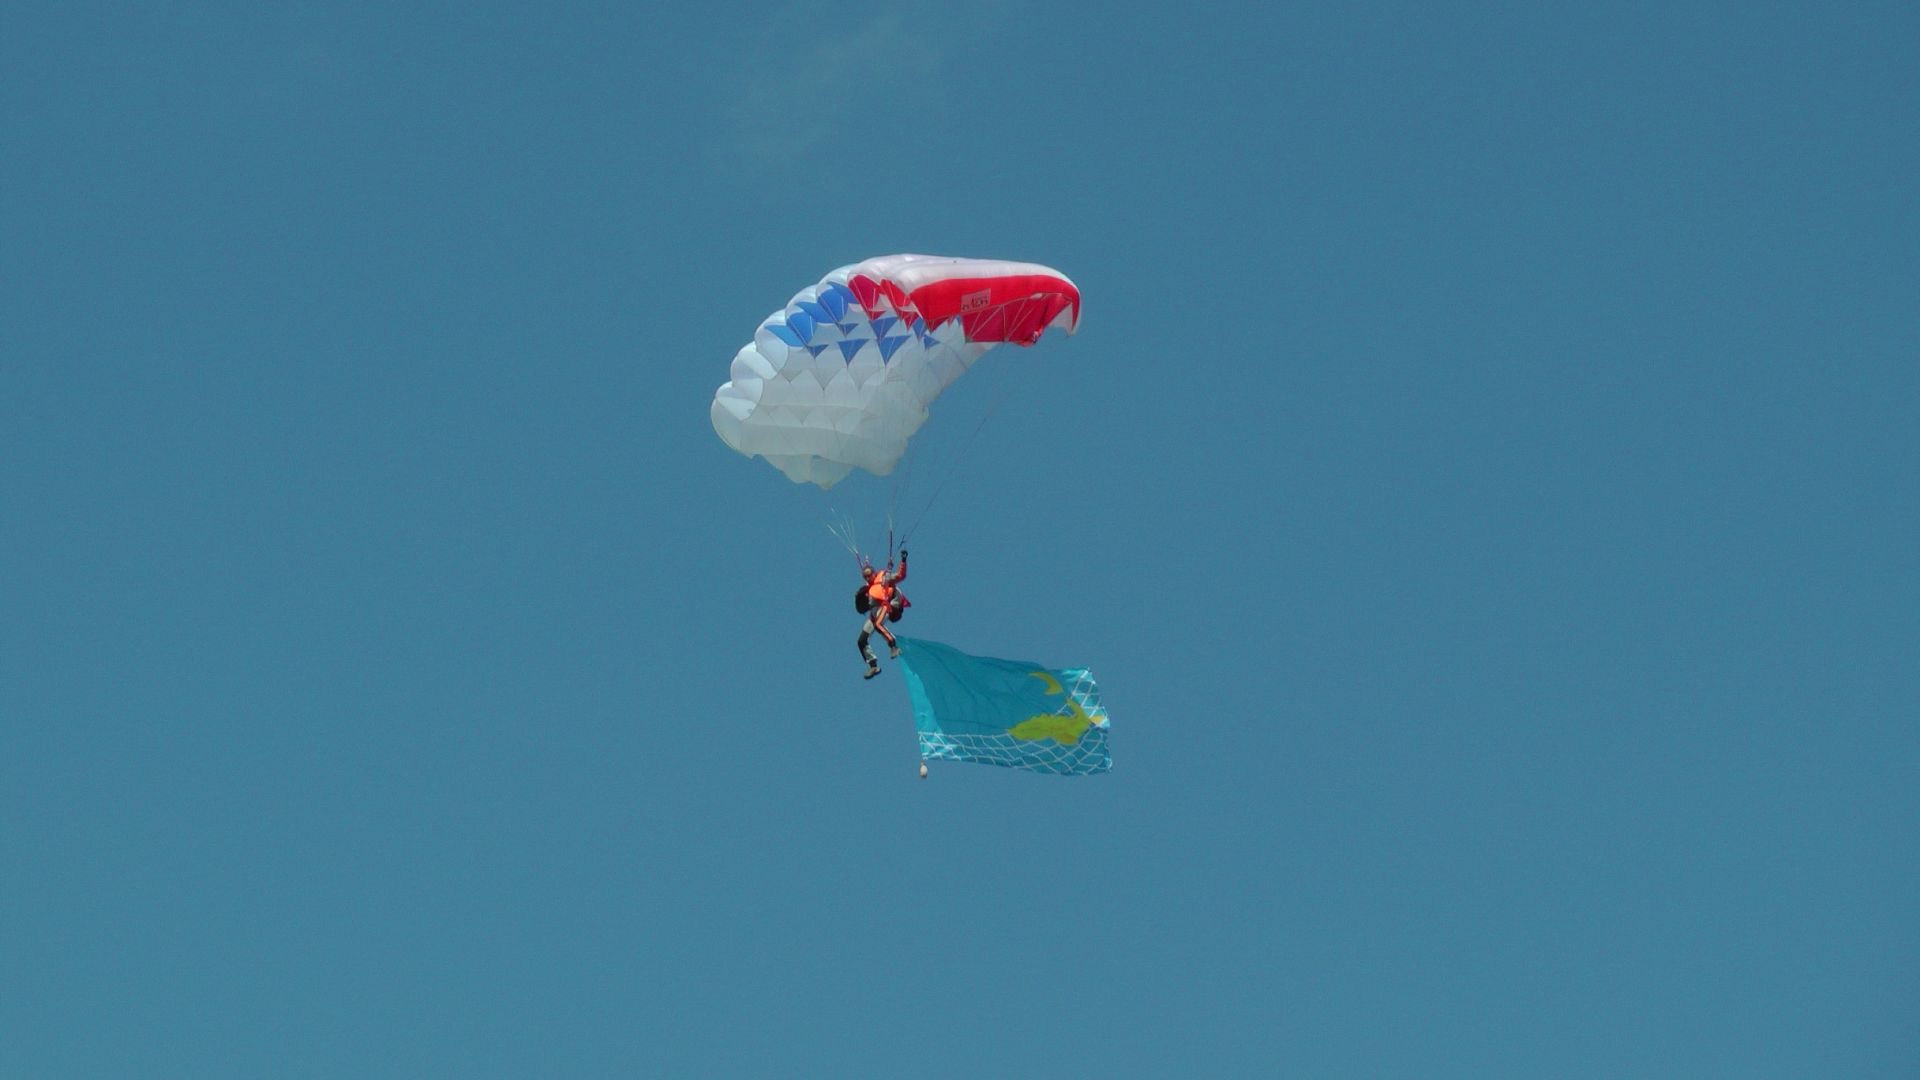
835,300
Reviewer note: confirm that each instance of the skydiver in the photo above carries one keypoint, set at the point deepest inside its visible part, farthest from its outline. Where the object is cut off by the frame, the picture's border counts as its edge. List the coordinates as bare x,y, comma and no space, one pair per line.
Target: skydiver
883,602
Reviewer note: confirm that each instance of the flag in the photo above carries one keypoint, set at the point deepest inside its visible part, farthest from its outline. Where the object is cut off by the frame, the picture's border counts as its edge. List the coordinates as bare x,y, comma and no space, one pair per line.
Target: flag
1005,712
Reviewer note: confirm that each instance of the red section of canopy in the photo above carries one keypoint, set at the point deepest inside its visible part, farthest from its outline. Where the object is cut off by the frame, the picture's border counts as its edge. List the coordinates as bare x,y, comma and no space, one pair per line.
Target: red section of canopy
1016,308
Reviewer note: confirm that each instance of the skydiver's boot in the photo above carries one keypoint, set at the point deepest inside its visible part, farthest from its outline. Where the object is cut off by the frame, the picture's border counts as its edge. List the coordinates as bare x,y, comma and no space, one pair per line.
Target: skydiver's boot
873,668
894,650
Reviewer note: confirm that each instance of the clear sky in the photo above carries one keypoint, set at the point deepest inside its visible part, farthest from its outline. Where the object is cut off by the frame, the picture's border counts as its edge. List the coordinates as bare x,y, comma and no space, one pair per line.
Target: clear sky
1485,484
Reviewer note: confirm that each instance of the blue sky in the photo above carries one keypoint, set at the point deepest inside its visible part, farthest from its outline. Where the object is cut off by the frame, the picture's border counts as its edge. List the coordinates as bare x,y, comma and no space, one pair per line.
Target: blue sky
1484,484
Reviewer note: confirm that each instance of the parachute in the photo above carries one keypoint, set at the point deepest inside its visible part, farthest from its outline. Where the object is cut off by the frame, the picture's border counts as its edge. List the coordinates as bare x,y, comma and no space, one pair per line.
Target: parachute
1005,712
840,379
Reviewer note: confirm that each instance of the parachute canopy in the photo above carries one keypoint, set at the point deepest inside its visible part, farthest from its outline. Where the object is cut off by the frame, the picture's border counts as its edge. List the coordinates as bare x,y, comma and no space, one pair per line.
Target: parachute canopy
841,377
1005,712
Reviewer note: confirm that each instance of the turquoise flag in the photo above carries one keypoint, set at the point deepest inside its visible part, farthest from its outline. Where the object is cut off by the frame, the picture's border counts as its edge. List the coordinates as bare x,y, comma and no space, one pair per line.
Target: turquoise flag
1005,712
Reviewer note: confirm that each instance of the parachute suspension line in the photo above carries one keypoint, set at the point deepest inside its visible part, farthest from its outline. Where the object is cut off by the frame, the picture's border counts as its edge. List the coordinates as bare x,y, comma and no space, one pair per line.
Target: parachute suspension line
842,531
897,499
1002,391
902,485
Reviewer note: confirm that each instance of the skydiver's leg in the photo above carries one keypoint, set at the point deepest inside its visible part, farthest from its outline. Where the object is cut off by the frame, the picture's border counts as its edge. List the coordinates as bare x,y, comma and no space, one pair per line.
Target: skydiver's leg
880,624
873,662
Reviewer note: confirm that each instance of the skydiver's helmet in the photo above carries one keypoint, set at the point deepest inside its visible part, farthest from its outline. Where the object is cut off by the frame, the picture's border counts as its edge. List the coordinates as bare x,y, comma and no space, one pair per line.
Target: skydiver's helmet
868,572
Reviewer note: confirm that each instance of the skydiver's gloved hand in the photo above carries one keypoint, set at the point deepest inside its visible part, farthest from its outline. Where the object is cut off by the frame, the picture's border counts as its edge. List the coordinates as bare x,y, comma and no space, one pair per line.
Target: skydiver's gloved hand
903,554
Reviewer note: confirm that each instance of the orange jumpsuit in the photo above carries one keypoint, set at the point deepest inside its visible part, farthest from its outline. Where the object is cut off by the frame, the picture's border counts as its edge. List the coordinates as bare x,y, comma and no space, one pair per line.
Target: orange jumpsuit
887,601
